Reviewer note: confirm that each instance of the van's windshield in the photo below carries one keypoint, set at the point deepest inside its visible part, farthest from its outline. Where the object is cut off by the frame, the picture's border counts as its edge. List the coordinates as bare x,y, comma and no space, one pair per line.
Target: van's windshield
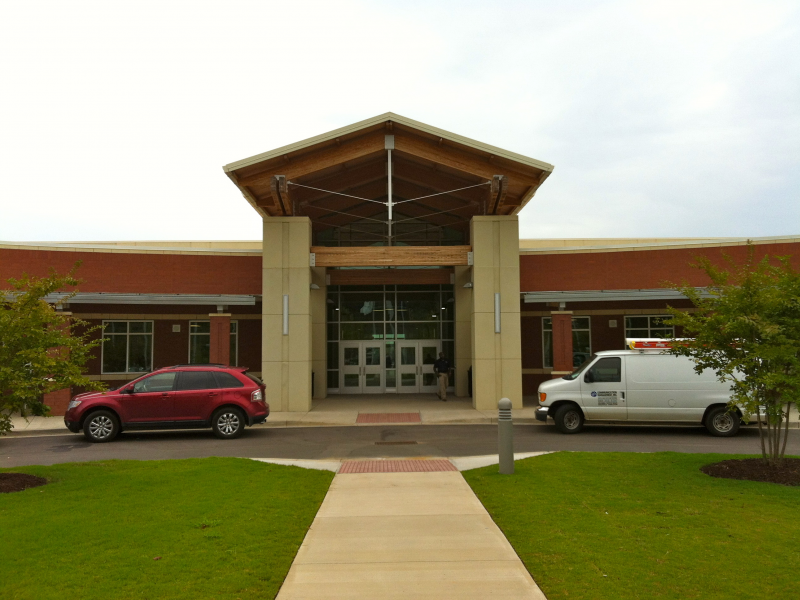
576,373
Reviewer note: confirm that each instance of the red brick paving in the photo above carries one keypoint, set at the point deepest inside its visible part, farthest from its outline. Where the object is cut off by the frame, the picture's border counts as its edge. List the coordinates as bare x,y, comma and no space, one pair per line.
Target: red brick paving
396,466
388,418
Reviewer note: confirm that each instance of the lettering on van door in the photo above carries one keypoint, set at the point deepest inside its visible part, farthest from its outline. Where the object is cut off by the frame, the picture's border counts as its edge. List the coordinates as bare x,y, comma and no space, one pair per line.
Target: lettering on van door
606,398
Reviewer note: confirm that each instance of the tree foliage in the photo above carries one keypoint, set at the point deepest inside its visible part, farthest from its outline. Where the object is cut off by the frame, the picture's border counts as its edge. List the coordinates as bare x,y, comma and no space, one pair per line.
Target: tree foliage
747,330
41,349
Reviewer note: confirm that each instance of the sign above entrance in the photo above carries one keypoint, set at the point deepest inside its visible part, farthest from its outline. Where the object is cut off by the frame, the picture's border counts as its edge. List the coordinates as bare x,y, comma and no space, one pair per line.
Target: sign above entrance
391,256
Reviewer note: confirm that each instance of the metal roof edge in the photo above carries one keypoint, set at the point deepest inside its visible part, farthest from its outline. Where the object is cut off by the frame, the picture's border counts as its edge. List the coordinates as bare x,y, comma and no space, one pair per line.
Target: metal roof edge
700,243
606,295
100,248
171,299
389,116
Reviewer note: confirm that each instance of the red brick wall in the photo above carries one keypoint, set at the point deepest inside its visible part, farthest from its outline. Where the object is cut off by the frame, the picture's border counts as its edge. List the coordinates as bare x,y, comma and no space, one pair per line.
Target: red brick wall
141,273
641,269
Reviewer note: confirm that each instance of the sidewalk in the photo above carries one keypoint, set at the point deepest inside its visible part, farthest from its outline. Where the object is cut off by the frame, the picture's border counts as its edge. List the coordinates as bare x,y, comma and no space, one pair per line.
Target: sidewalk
405,535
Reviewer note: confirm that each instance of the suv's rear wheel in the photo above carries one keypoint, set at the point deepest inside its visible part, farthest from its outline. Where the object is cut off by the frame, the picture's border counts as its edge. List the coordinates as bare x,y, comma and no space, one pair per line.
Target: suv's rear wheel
722,422
101,426
228,423
568,418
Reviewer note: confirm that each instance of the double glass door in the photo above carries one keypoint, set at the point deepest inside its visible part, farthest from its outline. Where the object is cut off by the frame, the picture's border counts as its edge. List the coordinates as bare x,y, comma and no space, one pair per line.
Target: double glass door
362,367
415,367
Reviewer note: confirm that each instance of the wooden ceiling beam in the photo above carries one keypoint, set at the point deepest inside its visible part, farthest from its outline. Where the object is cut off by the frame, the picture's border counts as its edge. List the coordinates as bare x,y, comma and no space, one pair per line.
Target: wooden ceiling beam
318,160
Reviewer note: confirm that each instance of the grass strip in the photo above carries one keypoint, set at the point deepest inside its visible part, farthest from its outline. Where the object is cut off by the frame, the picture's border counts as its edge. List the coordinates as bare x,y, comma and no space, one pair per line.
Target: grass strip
627,525
222,527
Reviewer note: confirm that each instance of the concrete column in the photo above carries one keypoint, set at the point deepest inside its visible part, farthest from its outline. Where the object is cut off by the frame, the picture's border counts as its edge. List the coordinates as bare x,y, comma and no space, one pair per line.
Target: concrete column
562,342
286,356
463,339
220,346
496,357
319,346
58,401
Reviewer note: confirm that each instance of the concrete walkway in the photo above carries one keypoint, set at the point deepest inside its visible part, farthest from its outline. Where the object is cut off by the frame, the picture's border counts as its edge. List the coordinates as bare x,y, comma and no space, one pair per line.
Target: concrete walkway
405,535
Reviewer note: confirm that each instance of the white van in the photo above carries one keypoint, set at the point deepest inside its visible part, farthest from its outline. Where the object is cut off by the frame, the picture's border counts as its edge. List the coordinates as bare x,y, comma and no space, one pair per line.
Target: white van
641,386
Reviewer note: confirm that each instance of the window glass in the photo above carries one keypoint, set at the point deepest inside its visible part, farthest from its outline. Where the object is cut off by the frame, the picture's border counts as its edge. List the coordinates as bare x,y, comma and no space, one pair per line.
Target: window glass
361,307
419,307
606,370
581,341
200,327
196,380
333,379
115,354
418,331
226,380
362,331
127,346
655,326
160,382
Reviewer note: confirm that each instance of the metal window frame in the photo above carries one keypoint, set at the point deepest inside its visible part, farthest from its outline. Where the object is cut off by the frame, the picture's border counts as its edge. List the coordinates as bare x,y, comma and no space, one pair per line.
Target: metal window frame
127,335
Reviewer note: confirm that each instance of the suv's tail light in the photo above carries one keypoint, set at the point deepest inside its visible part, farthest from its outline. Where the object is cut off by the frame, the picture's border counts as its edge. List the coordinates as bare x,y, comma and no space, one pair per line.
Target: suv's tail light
257,396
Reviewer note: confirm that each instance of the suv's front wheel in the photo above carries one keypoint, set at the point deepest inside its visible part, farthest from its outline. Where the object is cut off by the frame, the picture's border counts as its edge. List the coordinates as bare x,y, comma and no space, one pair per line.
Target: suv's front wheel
101,426
228,423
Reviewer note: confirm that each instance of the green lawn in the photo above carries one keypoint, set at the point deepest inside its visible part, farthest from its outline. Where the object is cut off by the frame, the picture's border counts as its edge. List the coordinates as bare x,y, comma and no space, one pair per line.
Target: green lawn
624,525
223,527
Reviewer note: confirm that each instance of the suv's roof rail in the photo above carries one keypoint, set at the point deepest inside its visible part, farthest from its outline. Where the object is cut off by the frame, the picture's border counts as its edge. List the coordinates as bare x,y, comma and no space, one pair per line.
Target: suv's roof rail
198,365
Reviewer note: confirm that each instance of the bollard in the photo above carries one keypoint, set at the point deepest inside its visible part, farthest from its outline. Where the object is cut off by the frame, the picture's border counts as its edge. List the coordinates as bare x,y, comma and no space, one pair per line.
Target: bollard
505,437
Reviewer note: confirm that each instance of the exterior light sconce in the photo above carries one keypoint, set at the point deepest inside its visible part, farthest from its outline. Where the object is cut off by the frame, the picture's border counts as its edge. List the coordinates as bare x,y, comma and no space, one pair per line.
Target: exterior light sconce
314,286
286,314
468,285
497,312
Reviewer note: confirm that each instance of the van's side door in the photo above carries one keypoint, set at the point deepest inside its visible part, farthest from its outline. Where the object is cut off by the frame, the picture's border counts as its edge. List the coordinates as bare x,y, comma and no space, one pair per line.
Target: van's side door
603,390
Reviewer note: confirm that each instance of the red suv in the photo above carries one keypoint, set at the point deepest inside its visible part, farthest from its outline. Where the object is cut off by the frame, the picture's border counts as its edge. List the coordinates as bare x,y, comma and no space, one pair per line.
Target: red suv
180,397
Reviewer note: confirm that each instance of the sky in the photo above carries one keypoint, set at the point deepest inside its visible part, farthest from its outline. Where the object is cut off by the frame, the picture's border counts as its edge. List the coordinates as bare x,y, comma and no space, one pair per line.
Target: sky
663,119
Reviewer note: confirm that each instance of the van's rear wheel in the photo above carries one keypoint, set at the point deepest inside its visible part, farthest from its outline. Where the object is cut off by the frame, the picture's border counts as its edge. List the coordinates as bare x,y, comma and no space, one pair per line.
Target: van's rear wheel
722,422
568,418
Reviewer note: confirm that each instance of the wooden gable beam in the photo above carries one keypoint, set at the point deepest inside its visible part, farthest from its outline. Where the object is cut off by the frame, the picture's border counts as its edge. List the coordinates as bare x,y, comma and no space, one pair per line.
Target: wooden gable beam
280,194
396,256
319,160
499,189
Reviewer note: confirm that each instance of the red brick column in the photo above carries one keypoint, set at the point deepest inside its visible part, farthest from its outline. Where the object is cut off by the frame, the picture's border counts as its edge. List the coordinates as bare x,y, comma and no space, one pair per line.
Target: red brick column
562,343
220,351
58,401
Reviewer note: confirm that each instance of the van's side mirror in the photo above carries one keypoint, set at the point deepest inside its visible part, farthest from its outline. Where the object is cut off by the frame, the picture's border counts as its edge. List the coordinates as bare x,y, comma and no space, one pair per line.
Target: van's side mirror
588,378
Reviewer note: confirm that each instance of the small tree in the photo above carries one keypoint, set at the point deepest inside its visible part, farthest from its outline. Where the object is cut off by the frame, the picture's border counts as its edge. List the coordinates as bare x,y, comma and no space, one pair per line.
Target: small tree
747,330
41,350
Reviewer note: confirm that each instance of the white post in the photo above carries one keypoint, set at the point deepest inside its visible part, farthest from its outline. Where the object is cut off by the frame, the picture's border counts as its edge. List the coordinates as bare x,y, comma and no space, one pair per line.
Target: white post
389,146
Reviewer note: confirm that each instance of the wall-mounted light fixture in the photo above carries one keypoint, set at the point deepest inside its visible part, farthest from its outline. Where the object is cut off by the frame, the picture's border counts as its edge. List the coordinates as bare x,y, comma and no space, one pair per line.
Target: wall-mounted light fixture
468,284
286,314
314,286
497,312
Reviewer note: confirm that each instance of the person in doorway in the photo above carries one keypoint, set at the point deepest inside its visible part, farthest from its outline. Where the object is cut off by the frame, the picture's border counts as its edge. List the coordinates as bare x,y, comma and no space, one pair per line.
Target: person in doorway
442,369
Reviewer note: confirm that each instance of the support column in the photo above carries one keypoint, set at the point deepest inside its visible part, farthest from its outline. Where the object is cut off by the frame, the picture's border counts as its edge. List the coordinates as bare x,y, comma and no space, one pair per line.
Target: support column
496,356
319,337
58,401
220,343
463,339
562,343
286,350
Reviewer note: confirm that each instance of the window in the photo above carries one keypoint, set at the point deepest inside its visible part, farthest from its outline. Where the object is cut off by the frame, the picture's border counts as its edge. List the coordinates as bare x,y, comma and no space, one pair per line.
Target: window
200,343
605,370
127,346
196,380
581,341
160,382
649,327
226,380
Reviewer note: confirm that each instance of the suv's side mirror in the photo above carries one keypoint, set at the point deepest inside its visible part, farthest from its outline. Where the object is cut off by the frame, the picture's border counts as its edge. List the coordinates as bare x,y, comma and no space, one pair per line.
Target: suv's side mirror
589,377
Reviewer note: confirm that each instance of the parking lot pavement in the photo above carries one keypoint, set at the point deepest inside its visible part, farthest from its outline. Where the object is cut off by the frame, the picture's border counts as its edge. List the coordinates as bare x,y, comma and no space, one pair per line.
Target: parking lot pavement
374,441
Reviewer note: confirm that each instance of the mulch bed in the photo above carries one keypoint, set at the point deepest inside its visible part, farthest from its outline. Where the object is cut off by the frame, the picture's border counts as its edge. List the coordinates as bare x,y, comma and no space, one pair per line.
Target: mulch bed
16,482
755,469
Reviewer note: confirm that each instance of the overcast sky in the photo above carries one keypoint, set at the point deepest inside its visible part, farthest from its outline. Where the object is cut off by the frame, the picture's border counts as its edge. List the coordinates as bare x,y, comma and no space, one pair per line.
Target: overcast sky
661,118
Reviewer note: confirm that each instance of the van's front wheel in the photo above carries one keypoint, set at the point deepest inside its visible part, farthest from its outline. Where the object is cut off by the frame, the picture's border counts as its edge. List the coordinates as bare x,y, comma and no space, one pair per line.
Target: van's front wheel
568,418
722,422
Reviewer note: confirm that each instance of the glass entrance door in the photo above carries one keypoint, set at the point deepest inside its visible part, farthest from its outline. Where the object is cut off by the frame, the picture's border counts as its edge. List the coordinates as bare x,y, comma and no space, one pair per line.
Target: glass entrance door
415,367
362,367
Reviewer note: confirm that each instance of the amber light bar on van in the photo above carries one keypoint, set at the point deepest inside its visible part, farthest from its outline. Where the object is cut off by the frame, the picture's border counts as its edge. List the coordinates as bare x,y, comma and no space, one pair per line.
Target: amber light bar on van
642,344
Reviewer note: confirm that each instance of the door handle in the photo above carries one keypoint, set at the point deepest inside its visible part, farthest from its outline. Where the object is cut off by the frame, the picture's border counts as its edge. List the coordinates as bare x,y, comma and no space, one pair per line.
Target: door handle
164,394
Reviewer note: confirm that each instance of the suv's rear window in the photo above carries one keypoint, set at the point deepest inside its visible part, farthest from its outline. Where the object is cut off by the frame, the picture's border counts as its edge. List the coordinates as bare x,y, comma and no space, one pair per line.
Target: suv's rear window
226,380
196,380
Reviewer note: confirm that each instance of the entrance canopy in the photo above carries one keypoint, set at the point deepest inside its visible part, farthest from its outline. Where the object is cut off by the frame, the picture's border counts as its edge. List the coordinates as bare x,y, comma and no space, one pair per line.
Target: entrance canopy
388,181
